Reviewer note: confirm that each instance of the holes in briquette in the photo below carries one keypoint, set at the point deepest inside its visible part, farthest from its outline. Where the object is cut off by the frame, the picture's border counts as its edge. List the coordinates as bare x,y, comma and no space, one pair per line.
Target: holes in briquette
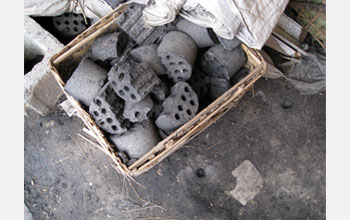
183,98
177,117
103,111
189,112
180,107
98,102
192,102
121,77
109,120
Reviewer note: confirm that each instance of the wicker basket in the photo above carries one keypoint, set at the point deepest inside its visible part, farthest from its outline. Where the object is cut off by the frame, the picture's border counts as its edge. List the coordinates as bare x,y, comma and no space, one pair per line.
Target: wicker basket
62,66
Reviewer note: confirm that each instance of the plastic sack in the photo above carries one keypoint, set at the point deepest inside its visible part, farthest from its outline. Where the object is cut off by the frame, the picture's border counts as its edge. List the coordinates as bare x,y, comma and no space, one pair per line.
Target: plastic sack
251,21
94,9
307,75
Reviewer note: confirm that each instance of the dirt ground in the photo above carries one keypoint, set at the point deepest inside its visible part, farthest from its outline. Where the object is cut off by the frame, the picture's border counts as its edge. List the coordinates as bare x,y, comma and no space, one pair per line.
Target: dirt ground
68,178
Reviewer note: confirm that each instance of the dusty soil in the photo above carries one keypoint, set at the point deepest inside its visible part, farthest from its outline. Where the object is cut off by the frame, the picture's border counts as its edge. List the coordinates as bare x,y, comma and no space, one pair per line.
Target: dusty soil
68,178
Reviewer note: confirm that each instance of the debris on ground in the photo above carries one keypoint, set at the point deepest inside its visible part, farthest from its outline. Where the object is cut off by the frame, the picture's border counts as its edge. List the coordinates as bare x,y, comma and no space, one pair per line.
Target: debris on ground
249,182
287,103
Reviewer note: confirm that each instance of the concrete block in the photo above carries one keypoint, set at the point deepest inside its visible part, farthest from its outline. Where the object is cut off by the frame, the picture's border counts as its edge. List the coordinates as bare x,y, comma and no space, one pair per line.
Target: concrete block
249,182
107,110
138,111
148,54
132,81
41,91
109,46
177,52
178,108
220,63
198,33
27,214
86,80
229,44
141,138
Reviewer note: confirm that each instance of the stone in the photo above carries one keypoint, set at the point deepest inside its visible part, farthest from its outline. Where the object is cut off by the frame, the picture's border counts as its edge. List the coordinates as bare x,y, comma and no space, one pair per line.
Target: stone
198,33
87,79
287,103
148,54
248,184
68,108
107,110
41,90
220,63
229,44
200,172
178,108
260,94
177,52
140,139
132,81
138,111
109,46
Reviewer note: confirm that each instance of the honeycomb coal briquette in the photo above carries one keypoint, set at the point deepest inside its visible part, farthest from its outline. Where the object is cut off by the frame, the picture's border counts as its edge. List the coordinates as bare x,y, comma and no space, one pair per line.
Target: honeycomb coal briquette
217,87
229,44
132,81
178,108
220,63
131,21
148,54
141,138
138,111
198,33
109,46
86,80
159,92
199,83
177,52
107,110
69,24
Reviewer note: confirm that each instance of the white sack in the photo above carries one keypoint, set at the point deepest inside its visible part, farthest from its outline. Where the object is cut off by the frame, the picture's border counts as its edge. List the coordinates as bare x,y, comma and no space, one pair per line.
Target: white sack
251,21
94,9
